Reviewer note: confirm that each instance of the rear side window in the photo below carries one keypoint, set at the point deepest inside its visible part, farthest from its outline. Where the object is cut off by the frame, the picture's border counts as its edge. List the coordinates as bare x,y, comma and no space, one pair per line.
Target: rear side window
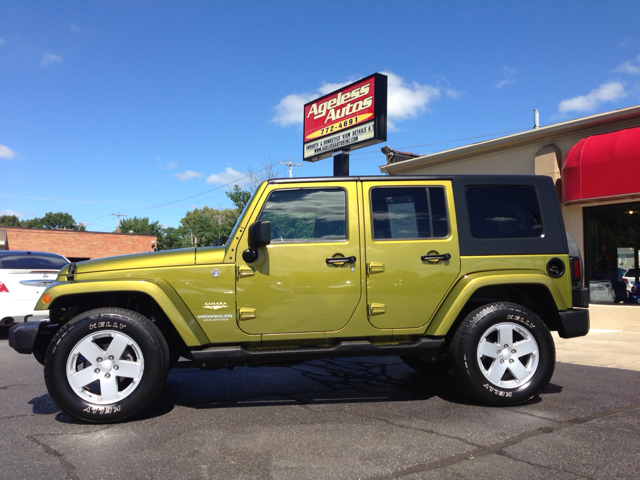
32,261
307,215
409,213
504,211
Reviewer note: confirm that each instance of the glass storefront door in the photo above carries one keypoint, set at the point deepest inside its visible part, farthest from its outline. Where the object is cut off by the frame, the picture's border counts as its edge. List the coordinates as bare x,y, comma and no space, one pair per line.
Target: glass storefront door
612,245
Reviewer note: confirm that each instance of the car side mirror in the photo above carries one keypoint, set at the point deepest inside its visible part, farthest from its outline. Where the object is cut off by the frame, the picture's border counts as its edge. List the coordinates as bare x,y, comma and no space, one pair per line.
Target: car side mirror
259,236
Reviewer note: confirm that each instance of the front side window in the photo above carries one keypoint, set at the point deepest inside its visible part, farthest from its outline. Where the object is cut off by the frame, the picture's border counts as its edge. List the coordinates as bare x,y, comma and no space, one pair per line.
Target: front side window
409,213
504,211
307,215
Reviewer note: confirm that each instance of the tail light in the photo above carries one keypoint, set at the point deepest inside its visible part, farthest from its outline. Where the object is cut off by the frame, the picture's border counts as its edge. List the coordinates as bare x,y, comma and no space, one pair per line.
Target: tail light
3,288
576,268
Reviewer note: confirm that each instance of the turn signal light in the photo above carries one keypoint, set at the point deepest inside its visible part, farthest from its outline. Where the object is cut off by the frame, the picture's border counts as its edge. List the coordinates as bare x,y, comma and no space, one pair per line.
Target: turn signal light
3,288
46,298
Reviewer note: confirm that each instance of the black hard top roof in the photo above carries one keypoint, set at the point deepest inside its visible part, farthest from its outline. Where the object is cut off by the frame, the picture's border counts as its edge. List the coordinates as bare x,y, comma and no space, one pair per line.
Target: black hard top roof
381,178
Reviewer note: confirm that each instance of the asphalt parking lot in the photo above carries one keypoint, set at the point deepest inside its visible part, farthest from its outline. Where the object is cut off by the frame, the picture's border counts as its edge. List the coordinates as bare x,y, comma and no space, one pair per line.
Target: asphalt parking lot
372,418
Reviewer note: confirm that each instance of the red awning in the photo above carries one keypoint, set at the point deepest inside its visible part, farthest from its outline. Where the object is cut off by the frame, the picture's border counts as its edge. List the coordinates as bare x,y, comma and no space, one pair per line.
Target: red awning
602,166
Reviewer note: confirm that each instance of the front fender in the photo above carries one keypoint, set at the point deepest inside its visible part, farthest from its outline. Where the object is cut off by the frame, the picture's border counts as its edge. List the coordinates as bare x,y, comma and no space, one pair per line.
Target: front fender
469,284
159,290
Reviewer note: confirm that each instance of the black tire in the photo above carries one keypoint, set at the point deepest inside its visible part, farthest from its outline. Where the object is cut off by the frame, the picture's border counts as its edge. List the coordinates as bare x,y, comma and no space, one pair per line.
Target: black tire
438,367
131,382
508,376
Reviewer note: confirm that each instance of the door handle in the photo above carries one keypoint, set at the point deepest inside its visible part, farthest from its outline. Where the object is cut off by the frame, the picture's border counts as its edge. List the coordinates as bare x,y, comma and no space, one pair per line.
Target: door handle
435,257
343,260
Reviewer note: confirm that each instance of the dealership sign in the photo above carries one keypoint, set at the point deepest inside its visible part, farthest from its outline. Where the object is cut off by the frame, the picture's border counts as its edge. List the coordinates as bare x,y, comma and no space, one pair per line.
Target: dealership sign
353,117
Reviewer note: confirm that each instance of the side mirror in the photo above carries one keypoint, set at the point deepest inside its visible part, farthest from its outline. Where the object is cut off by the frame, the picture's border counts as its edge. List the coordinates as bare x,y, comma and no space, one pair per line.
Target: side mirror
259,236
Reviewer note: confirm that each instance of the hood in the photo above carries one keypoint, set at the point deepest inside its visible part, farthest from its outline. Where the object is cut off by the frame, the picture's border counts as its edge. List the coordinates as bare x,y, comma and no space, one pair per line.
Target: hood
165,258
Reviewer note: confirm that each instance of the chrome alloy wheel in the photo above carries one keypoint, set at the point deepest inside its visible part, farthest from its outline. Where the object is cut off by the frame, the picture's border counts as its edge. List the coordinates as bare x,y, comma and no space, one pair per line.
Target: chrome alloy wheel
104,368
508,355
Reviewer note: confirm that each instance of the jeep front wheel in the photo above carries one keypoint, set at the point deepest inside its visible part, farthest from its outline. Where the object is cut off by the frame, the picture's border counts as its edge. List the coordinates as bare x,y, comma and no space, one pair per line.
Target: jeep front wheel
106,365
503,354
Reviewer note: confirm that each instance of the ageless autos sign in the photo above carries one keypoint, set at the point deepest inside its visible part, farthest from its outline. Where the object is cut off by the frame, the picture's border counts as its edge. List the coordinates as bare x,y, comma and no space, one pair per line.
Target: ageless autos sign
353,117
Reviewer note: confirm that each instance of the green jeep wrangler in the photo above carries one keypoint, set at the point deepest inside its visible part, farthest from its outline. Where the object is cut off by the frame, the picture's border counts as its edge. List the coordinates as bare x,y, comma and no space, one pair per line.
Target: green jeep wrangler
463,272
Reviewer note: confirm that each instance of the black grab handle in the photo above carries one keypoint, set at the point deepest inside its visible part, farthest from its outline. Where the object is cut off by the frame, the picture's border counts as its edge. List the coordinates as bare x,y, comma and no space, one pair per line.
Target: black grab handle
444,256
341,260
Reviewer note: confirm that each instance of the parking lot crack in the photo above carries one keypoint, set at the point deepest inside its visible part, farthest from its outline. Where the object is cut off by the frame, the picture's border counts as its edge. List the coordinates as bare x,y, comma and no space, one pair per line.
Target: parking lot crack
66,465
498,448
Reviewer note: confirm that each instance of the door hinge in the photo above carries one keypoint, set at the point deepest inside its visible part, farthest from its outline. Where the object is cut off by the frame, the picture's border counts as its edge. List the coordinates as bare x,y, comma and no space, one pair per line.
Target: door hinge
376,309
244,271
375,267
246,313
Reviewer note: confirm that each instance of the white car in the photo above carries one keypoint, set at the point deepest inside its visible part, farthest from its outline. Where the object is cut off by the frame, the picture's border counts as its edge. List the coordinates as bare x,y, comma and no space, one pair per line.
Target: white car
601,292
23,277
629,278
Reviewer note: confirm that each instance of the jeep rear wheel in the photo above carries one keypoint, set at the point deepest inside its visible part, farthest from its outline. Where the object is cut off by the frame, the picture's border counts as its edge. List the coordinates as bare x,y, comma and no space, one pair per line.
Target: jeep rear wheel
503,354
106,365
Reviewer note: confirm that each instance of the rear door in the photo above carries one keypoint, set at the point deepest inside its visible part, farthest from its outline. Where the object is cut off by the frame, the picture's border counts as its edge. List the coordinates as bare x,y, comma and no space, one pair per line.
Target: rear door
411,249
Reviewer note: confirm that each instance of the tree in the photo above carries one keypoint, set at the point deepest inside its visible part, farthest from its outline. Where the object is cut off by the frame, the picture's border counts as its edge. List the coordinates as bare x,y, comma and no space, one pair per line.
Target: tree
239,197
52,221
9,221
167,238
270,169
171,238
203,226
141,226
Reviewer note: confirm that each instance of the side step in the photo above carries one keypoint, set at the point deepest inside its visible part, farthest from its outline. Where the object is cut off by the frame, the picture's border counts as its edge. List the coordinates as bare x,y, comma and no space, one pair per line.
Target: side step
236,355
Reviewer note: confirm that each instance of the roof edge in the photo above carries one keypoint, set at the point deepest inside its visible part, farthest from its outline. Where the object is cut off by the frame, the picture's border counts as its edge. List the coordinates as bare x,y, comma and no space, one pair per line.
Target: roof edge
518,139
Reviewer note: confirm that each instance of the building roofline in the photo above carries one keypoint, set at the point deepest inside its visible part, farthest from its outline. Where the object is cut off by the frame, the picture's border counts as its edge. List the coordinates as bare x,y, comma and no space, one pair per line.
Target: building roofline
56,230
535,136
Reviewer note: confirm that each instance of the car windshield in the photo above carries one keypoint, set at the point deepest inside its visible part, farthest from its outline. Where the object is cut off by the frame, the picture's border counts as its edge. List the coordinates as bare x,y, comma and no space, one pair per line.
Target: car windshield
32,261
630,273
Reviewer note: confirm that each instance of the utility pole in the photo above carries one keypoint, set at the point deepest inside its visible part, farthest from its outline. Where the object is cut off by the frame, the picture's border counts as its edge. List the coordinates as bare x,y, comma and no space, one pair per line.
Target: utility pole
291,165
119,215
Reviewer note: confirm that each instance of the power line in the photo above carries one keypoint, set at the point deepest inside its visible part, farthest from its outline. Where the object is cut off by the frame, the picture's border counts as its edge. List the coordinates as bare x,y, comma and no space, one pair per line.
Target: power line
355,154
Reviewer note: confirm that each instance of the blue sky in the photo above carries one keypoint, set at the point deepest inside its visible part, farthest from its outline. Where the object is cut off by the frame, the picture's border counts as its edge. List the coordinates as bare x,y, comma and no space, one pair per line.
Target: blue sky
151,108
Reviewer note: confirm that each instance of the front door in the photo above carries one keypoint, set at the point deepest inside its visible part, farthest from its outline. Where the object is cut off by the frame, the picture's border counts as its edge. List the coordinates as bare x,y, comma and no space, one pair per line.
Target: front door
412,250
291,288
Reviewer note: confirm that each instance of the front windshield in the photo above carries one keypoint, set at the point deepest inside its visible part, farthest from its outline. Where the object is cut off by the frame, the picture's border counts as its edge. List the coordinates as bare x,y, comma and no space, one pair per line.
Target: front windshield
235,227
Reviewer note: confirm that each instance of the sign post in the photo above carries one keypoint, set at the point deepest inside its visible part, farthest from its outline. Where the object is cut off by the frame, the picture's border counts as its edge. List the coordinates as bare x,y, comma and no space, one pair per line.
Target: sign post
352,117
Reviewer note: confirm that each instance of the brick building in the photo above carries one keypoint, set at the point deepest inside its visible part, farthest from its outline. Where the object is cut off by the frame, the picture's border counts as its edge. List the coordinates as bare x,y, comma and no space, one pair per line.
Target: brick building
76,246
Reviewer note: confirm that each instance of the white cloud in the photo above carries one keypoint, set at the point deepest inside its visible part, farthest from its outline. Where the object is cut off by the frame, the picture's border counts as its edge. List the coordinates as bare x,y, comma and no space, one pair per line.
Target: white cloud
228,177
10,213
510,77
6,152
405,100
187,175
290,109
607,92
166,165
453,94
49,58
631,67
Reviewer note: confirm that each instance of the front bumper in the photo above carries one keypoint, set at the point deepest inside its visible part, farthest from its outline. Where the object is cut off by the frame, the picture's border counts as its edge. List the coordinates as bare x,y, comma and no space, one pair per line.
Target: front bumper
574,323
22,336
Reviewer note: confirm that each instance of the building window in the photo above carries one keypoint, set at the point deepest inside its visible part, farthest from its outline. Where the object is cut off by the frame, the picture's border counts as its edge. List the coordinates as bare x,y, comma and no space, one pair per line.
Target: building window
504,211
612,243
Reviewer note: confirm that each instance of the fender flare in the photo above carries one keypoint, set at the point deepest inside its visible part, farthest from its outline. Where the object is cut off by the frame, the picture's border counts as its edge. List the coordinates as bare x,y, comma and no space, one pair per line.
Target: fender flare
460,294
158,289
